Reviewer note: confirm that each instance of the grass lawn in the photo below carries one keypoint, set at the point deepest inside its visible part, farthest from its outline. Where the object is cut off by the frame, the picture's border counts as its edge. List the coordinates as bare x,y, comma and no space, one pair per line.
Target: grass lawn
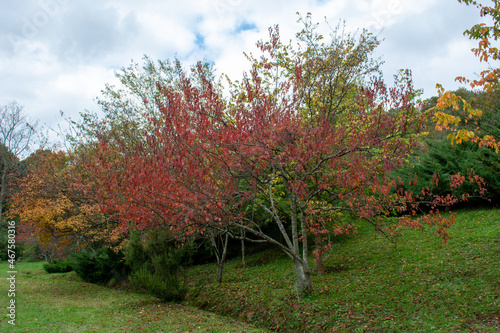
62,303
419,284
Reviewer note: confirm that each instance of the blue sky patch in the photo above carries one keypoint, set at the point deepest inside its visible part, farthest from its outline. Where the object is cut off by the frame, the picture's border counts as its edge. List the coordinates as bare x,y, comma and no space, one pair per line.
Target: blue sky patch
244,26
200,41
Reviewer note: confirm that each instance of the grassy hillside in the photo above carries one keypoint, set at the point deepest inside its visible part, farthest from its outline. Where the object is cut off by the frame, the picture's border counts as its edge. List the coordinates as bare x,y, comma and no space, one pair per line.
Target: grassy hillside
419,284
62,303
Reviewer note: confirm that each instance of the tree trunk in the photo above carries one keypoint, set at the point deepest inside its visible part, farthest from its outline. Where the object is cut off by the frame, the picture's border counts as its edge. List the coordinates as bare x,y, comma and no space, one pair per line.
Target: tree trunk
318,243
243,263
221,258
304,282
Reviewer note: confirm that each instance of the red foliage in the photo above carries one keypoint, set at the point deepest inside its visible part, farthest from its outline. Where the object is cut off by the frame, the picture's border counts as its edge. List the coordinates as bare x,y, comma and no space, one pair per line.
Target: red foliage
209,155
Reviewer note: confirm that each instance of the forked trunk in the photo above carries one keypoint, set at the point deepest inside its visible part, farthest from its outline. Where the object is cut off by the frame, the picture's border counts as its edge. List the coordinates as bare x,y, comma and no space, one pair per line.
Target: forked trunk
221,259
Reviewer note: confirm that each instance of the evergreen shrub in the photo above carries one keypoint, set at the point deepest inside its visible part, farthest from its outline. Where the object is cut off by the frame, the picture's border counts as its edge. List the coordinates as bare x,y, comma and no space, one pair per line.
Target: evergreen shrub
157,264
58,266
99,266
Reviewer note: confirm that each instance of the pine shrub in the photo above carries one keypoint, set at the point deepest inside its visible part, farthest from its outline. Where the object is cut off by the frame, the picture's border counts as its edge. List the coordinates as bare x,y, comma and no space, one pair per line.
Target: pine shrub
99,266
166,287
58,266
157,263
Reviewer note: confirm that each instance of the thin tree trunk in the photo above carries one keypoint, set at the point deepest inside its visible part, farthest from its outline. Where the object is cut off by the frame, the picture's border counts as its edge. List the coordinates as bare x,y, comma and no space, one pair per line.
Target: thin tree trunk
222,259
243,262
318,243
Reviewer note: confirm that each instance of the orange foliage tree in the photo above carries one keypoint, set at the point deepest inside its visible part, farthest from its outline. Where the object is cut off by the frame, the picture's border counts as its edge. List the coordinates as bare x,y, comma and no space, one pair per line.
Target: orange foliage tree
489,81
55,204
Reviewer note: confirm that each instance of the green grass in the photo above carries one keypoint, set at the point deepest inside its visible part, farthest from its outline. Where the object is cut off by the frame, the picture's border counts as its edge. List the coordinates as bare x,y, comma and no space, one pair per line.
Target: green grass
63,303
420,284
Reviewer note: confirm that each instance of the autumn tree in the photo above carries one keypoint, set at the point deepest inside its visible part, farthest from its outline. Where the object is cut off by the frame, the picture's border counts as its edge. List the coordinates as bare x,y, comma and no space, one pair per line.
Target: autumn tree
131,115
335,159
17,137
56,205
333,75
7,167
326,142
489,81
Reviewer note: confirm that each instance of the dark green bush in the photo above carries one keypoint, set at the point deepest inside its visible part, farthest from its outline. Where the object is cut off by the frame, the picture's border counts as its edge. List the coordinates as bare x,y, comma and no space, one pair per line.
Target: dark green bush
58,266
99,266
4,242
167,287
30,252
448,160
157,263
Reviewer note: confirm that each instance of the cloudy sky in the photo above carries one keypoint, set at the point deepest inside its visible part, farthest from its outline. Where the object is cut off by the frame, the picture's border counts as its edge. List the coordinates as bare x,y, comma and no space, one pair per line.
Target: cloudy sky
58,54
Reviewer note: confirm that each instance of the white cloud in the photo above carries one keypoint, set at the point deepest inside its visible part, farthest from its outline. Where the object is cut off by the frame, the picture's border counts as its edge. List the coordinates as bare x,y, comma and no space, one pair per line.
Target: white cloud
57,54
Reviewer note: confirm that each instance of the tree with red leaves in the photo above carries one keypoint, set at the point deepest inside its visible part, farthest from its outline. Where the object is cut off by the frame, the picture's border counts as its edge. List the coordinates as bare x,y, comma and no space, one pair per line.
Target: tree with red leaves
313,126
